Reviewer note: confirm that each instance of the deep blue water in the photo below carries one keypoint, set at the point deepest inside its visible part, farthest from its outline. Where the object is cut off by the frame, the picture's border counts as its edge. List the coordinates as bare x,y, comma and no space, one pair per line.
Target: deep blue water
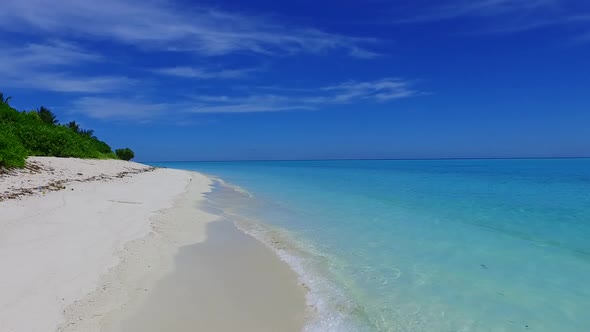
424,245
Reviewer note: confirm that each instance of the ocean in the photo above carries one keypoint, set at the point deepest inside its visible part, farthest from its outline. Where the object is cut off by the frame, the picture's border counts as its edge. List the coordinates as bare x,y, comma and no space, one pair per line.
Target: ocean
422,245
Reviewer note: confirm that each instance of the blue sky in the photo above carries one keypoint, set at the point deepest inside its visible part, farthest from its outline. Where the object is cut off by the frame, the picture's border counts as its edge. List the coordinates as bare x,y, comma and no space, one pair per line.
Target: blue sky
218,80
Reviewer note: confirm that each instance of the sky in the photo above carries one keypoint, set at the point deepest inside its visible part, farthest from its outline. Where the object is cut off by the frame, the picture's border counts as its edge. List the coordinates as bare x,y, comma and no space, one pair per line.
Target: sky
261,79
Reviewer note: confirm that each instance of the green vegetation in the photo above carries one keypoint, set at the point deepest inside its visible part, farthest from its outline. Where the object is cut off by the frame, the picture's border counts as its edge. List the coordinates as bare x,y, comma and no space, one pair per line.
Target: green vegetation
12,152
38,133
46,116
125,154
4,100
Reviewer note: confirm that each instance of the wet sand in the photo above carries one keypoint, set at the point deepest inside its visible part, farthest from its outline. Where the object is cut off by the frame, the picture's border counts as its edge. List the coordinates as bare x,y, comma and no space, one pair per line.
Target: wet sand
230,282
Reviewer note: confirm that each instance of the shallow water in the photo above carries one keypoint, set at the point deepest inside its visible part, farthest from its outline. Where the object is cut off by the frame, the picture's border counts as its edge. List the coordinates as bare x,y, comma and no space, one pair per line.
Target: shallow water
433,245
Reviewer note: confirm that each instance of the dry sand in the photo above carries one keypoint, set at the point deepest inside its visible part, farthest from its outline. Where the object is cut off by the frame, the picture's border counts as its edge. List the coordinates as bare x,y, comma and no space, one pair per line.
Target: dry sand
93,256
43,174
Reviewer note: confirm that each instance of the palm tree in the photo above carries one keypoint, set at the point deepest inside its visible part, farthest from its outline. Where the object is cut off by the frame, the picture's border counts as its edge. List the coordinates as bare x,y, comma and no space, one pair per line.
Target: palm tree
74,126
4,100
46,115
87,132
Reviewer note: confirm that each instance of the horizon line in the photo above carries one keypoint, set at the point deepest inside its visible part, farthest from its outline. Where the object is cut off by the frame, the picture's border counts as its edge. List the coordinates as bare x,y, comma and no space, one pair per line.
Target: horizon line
360,159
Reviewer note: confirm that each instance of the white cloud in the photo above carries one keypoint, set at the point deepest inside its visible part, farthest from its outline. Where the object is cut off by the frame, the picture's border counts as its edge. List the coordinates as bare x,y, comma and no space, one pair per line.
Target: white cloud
383,90
72,83
141,109
48,67
54,65
248,104
203,73
52,53
158,25
503,16
362,53
481,8
380,90
120,108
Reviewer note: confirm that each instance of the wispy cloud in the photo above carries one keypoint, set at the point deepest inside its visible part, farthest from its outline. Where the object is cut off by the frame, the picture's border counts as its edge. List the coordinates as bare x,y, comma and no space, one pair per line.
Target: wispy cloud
54,52
382,90
204,73
464,8
142,109
249,104
57,62
49,67
158,25
133,109
361,53
63,82
145,110
502,16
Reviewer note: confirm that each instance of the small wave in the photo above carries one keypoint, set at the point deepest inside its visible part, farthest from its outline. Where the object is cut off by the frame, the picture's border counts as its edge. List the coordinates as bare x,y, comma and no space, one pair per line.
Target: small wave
329,309
231,186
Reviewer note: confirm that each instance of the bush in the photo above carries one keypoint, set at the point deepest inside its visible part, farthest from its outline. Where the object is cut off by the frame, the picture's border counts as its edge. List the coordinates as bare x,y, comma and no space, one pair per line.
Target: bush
25,133
101,146
12,152
125,154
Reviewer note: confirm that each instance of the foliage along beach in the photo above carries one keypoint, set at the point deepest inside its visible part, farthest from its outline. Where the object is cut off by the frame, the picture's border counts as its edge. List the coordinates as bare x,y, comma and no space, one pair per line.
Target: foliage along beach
39,133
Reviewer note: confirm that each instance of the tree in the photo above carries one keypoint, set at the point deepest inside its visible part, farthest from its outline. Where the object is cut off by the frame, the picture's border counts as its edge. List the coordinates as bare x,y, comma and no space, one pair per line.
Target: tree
4,100
87,132
74,126
46,115
125,154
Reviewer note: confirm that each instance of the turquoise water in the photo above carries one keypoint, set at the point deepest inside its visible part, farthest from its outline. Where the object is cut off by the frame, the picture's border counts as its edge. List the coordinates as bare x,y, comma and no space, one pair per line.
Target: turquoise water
431,245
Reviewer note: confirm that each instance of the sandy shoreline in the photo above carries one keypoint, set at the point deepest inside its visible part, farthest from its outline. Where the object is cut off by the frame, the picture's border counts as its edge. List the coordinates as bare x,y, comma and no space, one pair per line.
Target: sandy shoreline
91,256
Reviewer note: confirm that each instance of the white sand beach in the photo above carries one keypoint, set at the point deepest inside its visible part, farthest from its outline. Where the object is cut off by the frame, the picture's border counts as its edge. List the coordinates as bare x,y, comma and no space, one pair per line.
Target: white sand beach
84,242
